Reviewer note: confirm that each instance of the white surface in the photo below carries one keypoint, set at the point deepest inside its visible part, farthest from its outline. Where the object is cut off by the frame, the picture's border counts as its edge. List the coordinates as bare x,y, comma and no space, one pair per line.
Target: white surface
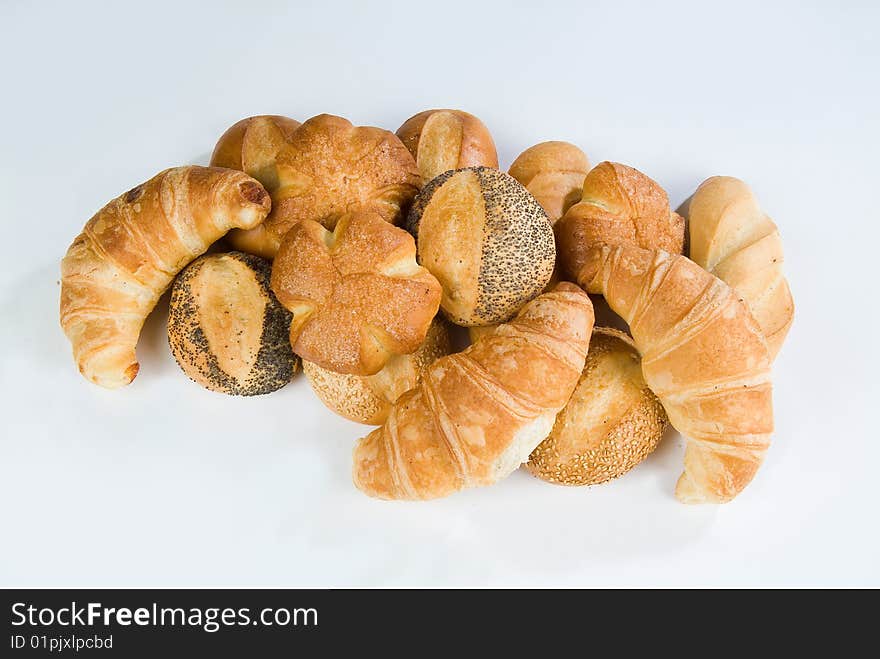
164,483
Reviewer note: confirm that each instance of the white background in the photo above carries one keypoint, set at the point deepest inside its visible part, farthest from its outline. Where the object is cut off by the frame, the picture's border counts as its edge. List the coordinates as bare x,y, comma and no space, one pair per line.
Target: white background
164,483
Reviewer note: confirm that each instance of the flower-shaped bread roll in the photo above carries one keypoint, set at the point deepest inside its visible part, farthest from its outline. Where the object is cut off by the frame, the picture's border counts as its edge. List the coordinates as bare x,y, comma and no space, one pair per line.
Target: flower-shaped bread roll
357,295
319,170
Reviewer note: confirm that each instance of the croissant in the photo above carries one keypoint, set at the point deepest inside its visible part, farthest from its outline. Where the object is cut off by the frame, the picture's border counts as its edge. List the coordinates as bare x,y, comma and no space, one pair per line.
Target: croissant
734,239
703,355
129,252
478,414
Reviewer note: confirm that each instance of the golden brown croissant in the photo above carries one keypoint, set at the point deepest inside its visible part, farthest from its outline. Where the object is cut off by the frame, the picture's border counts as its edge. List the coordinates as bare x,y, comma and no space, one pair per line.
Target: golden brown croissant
734,239
130,251
478,414
703,355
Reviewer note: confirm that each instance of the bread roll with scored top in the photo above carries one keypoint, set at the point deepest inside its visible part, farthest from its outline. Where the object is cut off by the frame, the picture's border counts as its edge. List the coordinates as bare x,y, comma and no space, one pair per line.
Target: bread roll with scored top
611,422
226,329
554,173
486,239
252,145
441,140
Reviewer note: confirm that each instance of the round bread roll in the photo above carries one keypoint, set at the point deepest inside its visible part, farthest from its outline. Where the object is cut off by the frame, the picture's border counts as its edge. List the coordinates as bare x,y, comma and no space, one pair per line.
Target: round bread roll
611,423
441,140
252,145
368,399
226,329
486,239
554,173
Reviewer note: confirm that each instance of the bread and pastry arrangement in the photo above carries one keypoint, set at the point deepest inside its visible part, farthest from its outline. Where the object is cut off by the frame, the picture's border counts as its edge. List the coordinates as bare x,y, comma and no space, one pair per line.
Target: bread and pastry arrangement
426,292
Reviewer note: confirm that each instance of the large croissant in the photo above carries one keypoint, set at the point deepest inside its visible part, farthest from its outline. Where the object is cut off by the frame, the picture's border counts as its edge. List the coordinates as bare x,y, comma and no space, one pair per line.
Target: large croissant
130,251
734,239
478,414
703,355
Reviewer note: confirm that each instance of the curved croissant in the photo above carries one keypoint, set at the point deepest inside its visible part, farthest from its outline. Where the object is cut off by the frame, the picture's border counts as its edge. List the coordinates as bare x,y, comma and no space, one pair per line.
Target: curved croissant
734,239
478,414
130,251
703,355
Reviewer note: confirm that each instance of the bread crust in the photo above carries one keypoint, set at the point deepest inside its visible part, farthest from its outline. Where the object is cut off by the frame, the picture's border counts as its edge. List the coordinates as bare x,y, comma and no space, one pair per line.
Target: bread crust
319,171
611,422
129,252
226,330
357,295
441,140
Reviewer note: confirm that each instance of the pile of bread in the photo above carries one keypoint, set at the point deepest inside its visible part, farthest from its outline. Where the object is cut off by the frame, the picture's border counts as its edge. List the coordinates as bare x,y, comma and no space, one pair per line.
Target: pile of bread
359,251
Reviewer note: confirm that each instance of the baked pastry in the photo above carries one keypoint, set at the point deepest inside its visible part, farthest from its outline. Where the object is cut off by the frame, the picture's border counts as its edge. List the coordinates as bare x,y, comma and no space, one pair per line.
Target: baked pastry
478,414
129,252
320,171
734,239
226,329
441,140
357,295
487,241
619,205
611,422
703,355
252,146
368,399
554,173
